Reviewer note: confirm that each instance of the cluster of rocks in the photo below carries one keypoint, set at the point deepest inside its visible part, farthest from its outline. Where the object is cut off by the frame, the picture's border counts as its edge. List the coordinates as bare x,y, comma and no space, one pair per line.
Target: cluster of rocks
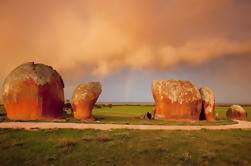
181,100
36,91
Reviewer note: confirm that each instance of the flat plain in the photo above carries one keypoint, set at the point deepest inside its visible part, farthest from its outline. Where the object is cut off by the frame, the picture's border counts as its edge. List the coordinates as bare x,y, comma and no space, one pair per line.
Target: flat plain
126,147
130,114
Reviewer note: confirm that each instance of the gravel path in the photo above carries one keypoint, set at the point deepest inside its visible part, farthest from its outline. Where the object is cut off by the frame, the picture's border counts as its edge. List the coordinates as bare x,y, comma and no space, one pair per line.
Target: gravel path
50,125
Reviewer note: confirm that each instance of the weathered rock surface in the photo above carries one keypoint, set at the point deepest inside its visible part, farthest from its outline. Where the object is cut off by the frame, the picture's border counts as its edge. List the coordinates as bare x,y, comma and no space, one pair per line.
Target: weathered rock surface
33,91
153,113
237,112
84,99
208,104
176,100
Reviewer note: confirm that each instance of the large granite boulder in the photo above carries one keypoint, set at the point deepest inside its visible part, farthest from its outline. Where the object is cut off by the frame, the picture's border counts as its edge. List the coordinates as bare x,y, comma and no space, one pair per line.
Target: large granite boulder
208,104
33,91
84,99
237,112
176,100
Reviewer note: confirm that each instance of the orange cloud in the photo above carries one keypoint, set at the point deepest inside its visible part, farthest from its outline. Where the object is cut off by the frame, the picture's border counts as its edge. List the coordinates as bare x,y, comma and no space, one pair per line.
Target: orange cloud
102,37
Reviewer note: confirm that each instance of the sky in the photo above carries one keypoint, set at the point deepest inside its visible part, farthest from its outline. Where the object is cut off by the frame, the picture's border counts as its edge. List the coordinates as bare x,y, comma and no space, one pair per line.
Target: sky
126,44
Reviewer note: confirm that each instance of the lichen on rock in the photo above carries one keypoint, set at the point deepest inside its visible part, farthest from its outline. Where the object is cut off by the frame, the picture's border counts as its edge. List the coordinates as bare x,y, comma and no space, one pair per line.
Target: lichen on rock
33,91
84,99
176,99
173,89
236,112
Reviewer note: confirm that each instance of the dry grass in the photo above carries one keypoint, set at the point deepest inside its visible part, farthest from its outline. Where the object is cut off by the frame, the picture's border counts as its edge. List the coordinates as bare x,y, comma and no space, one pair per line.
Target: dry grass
67,143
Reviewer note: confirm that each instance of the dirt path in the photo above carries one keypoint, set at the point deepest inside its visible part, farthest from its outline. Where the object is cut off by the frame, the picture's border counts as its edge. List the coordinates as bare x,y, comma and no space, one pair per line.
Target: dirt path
49,125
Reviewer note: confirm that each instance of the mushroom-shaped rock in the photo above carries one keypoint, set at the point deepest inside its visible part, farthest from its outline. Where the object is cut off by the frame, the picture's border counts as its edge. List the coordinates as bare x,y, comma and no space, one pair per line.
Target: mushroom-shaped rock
208,104
33,91
237,112
176,100
84,99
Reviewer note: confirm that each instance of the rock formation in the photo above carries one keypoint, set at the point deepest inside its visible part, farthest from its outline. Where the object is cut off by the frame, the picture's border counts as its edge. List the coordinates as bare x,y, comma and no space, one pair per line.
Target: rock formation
208,104
237,112
33,91
176,100
84,99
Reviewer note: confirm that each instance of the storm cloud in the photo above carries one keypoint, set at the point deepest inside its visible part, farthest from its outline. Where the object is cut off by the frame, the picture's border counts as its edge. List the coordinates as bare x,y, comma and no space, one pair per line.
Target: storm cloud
101,38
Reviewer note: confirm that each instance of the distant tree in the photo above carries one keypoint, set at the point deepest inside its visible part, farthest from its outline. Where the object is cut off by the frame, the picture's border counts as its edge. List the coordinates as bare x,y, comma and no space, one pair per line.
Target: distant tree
97,106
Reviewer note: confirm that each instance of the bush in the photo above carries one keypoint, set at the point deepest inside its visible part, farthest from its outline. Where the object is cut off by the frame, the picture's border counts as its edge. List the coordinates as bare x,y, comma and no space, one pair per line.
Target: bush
97,106
67,106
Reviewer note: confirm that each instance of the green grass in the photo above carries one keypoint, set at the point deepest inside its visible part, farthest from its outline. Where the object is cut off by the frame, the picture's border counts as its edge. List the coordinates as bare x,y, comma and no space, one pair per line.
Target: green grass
124,147
131,115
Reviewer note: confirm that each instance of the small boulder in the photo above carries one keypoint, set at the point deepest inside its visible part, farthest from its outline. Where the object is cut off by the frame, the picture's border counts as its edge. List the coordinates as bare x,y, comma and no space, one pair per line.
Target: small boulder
208,104
176,100
146,116
84,99
237,112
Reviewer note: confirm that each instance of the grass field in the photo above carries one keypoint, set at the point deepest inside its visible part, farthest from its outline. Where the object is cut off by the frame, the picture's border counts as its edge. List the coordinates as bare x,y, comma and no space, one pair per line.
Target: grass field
131,115
124,147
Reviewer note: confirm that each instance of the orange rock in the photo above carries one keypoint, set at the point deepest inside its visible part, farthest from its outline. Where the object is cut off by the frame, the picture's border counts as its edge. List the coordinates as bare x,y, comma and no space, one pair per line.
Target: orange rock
84,99
176,100
237,112
33,91
208,104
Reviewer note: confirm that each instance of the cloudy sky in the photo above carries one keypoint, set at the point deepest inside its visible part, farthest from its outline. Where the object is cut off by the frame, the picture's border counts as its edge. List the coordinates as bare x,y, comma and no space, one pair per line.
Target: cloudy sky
126,44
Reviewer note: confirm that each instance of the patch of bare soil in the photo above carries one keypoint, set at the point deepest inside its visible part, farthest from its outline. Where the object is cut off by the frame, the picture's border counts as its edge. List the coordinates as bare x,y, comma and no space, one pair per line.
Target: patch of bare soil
50,125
